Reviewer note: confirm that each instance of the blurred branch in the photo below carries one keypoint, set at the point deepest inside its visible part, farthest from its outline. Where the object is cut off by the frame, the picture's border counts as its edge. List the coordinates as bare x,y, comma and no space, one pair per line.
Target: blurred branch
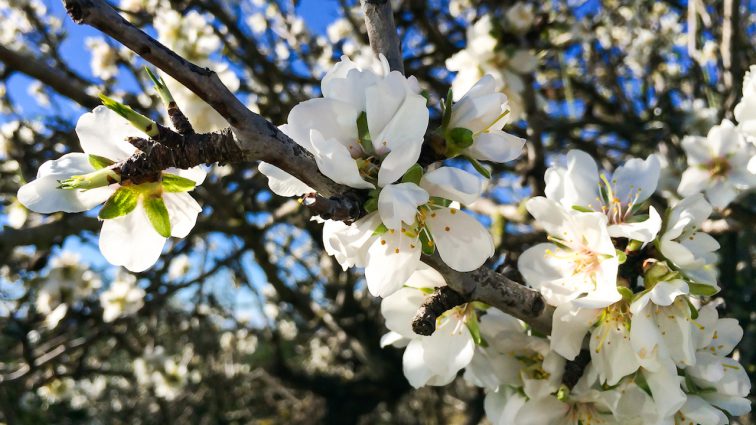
381,29
52,77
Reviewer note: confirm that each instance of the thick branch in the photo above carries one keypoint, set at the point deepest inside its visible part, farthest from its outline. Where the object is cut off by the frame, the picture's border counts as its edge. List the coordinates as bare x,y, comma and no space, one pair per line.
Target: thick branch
54,78
496,290
258,139
379,21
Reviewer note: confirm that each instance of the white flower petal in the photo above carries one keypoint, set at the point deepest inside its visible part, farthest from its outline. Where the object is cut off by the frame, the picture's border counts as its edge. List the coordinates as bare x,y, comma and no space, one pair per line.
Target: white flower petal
398,203
103,132
283,183
644,231
569,326
43,196
400,308
391,260
452,229
636,180
131,241
413,364
182,212
335,162
496,146
453,184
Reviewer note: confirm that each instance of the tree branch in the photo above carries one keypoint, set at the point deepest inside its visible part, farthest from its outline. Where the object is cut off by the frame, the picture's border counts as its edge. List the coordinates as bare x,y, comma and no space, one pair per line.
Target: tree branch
258,139
379,21
496,290
54,78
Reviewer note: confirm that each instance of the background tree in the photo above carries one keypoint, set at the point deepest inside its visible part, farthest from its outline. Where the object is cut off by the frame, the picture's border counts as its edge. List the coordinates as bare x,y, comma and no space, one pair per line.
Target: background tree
247,319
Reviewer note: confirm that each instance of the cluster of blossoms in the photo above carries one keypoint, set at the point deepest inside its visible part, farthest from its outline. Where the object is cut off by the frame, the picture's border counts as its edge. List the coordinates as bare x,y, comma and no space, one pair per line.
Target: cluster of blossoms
166,374
366,132
722,165
633,282
67,284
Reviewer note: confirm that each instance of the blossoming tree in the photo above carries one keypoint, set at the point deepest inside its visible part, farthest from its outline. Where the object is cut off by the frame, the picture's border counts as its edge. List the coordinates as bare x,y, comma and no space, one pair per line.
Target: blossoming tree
540,212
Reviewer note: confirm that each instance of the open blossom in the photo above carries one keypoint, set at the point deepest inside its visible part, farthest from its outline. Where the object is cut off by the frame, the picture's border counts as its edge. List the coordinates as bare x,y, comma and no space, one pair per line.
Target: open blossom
481,56
411,216
717,165
684,244
715,339
367,129
745,111
123,298
581,264
67,283
434,359
619,196
135,235
484,111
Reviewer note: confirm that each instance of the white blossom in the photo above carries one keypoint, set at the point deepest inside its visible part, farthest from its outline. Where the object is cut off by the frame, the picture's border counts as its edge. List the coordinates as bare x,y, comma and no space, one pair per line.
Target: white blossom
123,298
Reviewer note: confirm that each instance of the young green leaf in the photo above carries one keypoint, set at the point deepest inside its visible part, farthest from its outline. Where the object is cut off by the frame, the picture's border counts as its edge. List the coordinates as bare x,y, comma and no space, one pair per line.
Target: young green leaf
413,175
363,133
702,289
157,214
99,162
122,202
174,183
478,167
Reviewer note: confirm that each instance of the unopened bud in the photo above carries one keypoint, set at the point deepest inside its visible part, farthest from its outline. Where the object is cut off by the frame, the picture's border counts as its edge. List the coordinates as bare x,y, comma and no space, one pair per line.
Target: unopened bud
100,178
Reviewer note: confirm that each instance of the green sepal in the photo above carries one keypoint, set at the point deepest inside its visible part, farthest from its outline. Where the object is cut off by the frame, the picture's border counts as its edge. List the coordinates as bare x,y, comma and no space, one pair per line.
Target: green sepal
474,327
363,133
413,175
693,309
157,213
640,381
380,230
626,293
634,245
136,119
122,202
582,208
371,205
702,289
426,244
478,166
99,162
174,183
437,200
621,256
457,140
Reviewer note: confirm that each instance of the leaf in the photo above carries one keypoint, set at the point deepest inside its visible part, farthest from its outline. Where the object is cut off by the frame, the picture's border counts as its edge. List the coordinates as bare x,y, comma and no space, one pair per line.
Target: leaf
621,256
447,109
702,289
99,162
413,175
122,202
363,133
693,309
157,213
174,183
478,167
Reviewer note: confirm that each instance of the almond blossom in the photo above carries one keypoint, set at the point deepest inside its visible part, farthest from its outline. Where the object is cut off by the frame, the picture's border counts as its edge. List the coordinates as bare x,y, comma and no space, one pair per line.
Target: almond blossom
123,298
581,262
684,244
483,110
717,165
620,196
434,359
137,218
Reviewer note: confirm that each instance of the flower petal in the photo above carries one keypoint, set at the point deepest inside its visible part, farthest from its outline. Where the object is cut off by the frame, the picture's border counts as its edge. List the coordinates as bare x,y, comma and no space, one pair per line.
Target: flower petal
103,132
182,212
398,203
283,183
131,241
453,184
335,162
391,260
496,146
43,196
452,229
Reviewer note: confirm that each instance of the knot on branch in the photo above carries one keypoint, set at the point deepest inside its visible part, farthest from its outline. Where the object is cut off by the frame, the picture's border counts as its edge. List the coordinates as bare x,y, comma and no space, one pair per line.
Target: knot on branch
173,150
77,9
346,207
441,300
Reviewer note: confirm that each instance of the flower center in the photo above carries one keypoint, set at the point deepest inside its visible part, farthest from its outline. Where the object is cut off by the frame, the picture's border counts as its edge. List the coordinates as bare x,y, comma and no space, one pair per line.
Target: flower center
719,167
